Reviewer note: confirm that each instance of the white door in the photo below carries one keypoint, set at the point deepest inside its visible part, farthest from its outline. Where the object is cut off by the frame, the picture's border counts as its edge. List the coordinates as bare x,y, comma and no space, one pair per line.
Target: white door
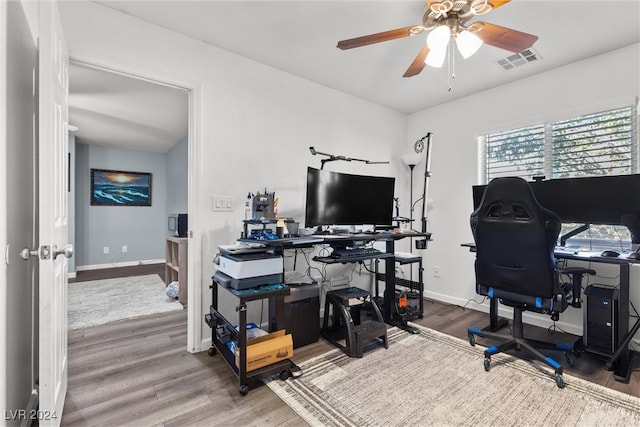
52,213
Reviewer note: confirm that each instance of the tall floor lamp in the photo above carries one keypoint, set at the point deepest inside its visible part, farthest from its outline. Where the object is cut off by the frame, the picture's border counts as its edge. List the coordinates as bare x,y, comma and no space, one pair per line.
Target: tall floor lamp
411,160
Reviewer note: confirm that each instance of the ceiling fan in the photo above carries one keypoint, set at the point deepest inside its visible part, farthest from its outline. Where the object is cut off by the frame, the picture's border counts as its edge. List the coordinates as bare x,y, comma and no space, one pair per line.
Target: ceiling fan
446,19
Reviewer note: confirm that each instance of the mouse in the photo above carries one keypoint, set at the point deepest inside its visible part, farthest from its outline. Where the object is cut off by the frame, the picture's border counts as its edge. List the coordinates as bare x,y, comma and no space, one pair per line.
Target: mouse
610,254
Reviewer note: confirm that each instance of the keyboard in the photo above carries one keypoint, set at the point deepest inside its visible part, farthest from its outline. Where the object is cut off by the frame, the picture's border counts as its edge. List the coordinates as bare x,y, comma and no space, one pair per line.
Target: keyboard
354,253
566,250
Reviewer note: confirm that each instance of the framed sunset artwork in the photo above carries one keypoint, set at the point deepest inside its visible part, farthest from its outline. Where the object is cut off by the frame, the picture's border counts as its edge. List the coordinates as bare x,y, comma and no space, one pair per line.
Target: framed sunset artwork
120,188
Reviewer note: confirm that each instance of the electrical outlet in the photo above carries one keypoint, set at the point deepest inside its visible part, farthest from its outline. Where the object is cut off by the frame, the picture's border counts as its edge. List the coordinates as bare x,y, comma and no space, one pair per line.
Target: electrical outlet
436,271
106,250
124,249
339,282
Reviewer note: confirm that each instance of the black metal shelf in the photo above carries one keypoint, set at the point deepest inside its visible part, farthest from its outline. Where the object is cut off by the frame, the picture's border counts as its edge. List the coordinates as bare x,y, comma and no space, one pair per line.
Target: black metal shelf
222,332
346,260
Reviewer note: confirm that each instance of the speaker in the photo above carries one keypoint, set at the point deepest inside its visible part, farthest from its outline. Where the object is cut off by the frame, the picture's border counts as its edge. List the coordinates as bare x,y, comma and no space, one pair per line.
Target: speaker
601,319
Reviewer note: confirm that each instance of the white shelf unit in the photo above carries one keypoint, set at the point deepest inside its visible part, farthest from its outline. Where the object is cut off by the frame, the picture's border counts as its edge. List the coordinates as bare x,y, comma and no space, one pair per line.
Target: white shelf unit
176,265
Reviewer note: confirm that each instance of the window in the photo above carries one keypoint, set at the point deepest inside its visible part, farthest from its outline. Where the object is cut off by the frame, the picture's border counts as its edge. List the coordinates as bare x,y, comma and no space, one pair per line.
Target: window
603,143
596,144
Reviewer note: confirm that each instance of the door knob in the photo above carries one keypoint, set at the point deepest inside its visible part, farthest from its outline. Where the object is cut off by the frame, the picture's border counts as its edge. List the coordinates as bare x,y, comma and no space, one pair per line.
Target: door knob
26,253
67,251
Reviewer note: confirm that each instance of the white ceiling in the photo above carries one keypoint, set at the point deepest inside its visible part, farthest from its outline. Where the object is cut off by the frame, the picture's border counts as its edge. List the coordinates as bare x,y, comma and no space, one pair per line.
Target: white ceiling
116,110
299,37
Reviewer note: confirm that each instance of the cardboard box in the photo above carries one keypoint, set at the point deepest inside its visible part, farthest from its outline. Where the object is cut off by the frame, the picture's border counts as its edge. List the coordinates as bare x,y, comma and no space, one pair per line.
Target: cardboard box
267,349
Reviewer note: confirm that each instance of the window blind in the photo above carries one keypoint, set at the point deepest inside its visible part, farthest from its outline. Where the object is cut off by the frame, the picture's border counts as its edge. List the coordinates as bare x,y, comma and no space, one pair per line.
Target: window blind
596,144
518,152
601,143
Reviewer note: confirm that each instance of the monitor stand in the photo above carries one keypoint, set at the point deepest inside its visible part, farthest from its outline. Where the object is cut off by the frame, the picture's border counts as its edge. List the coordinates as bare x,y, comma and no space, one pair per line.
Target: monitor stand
633,224
570,234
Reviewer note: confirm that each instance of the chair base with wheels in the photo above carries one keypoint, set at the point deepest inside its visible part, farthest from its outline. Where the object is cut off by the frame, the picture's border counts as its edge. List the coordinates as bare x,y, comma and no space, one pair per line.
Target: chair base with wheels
516,341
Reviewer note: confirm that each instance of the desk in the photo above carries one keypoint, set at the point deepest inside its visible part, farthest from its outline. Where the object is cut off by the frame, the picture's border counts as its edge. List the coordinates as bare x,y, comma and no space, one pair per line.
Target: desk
620,361
388,303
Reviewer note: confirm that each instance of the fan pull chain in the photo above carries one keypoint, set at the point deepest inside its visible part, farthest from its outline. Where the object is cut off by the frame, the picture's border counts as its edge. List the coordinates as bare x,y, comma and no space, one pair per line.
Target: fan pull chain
451,66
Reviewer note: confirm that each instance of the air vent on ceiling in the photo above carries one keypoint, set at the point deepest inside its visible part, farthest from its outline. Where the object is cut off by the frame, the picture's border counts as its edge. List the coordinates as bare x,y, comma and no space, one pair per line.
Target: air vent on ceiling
517,59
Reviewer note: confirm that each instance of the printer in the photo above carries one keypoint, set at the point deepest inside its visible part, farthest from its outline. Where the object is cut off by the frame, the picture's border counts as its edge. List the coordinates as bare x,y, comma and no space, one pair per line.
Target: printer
248,270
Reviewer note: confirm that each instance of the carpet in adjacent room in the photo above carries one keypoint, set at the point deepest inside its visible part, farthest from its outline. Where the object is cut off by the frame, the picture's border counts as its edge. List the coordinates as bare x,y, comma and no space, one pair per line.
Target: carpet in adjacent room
97,302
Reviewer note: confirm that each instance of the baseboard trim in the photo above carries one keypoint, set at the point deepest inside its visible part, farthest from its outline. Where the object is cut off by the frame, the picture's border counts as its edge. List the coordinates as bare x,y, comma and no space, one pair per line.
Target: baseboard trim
535,319
205,344
119,264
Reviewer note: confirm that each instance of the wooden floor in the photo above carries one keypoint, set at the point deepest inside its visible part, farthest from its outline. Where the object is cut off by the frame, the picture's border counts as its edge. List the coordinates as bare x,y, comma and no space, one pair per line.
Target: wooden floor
108,273
137,372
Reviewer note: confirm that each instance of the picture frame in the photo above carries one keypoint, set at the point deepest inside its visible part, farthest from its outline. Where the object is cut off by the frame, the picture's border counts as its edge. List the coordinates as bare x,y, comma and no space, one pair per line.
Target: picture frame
120,188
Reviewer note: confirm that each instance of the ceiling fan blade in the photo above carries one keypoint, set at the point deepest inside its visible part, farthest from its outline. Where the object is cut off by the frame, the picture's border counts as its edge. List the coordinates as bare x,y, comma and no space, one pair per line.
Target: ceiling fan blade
418,64
497,3
503,37
377,37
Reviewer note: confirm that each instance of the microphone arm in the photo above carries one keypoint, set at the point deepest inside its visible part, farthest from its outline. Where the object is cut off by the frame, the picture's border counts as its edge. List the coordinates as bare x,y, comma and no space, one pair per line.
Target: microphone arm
427,174
333,158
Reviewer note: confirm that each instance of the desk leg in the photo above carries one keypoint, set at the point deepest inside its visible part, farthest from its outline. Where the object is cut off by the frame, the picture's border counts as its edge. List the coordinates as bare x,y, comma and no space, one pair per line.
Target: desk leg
389,312
276,313
421,288
495,322
242,347
621,359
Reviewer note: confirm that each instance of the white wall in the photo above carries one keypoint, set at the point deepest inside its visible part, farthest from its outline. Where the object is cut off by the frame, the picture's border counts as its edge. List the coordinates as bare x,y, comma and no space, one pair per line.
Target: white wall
178,177
583,87
256,123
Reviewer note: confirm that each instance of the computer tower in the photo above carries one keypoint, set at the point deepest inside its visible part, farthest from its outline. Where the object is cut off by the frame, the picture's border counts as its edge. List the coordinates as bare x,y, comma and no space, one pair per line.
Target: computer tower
600,334
301,314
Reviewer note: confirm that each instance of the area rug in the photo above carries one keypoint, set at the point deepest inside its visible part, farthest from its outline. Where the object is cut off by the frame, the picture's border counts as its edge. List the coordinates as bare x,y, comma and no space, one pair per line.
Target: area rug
97,302
432,379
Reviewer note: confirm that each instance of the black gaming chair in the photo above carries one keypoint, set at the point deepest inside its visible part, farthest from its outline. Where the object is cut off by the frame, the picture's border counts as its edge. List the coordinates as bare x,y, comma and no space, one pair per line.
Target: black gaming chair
515,238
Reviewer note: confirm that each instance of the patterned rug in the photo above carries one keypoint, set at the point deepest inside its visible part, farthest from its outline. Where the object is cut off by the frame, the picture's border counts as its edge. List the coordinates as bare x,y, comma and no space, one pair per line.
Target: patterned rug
432,379
97,302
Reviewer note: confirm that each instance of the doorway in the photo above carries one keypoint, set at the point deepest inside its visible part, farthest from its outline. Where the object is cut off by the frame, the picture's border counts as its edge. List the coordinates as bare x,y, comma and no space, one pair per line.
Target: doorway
124,123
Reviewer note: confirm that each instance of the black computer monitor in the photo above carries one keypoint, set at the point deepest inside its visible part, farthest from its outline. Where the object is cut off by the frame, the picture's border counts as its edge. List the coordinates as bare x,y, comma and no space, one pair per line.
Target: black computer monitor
610,200
335,198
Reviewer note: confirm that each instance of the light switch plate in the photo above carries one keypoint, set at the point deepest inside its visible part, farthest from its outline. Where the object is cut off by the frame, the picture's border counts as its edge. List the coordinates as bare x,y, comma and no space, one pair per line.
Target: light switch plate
222,203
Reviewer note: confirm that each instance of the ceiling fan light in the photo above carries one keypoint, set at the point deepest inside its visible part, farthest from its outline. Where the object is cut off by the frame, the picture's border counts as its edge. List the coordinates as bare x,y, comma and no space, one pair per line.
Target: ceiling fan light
439,38
467,43
435,57
437,42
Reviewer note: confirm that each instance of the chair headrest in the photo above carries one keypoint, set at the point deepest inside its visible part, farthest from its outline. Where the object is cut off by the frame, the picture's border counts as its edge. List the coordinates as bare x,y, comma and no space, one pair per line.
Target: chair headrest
510,196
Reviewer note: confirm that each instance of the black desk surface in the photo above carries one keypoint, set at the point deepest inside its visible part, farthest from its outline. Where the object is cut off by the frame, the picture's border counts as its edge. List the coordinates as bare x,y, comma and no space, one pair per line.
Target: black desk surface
582,255
316,239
